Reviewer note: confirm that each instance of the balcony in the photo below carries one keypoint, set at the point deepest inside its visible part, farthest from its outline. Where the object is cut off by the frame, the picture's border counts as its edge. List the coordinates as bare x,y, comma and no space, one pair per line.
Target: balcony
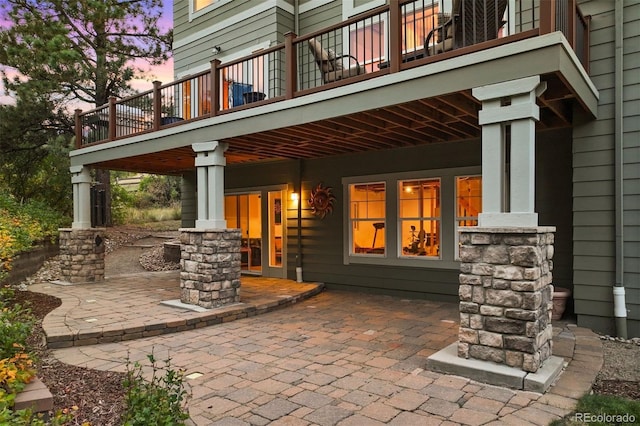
389,40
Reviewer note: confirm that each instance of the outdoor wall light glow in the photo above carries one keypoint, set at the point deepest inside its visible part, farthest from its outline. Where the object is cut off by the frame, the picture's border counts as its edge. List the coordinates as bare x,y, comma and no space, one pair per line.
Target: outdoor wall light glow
295,196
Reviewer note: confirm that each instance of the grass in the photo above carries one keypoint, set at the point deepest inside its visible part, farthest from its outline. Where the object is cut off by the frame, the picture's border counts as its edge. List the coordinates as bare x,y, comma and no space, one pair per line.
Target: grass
134,216
602,410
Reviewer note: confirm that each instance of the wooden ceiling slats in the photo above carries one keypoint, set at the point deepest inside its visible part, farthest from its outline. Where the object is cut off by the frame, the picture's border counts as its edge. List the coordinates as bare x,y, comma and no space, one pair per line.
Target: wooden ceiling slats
443,118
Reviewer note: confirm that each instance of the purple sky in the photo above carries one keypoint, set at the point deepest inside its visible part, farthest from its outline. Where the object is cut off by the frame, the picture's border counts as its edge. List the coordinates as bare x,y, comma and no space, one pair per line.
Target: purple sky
163,73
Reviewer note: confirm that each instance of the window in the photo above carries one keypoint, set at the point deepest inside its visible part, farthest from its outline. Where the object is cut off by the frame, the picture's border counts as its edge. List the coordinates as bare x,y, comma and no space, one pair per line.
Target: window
368,44
419,217
468,203
367,218
409,219
468,200
199,4
416,24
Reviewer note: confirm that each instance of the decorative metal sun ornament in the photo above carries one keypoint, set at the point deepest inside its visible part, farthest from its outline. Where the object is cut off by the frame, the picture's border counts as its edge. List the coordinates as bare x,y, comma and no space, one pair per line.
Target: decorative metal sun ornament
321,201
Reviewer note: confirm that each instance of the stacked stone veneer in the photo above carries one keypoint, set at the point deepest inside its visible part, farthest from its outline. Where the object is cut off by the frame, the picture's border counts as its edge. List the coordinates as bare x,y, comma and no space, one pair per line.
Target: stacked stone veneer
506,295
210,267
82,255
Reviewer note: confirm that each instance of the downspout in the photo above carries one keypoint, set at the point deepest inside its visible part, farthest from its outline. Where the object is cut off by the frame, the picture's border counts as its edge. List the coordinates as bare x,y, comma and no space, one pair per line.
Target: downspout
296,17
296,30
299,239
619,304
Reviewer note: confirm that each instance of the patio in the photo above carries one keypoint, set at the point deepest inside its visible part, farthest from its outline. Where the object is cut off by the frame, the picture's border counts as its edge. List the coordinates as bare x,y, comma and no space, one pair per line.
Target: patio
131,306
334,358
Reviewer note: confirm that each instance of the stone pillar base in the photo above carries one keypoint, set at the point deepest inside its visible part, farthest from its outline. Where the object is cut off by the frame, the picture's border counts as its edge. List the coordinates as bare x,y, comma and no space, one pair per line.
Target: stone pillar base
210,267
506,295
82,255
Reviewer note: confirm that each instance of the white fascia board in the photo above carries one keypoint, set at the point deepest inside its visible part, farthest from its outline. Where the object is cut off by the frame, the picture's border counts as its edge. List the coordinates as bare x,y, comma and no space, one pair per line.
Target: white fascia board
235,19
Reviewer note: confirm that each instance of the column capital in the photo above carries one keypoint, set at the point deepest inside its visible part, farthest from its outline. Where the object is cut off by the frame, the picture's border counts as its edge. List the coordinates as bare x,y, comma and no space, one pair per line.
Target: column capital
510,88
203,147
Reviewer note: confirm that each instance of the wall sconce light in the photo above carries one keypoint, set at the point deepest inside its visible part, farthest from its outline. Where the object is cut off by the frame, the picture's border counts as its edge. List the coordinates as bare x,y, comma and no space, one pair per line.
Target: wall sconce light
295,196
216,50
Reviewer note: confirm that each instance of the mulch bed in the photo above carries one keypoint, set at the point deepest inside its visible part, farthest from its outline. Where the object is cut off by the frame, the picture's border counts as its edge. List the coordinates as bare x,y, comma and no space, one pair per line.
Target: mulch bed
623,388
98,395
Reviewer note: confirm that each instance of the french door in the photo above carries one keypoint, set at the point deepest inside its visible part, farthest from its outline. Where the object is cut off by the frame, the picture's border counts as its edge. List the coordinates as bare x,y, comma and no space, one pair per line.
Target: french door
261,219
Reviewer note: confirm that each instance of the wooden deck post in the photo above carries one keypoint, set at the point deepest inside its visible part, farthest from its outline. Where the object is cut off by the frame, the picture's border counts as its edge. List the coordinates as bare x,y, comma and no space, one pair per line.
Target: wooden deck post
291,65
157,105
572,15
395,36
215,87
112,118
78,128
547,16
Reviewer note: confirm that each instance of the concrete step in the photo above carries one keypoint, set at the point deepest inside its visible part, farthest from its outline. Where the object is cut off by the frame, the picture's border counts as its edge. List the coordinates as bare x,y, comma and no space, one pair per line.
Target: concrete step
34,396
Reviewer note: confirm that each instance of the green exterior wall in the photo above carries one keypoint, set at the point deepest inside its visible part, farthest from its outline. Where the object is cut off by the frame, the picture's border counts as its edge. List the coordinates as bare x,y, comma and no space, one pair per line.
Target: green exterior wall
193,40
323,240
594,176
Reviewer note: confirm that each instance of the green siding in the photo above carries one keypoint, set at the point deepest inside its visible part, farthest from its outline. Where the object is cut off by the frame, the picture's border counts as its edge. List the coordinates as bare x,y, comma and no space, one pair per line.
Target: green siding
268,26
594,176
553,198
320,17
188,200
323,242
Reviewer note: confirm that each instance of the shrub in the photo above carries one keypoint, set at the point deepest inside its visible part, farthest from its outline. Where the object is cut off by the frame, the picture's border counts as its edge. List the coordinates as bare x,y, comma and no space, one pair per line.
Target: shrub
161,401
22,226
16,323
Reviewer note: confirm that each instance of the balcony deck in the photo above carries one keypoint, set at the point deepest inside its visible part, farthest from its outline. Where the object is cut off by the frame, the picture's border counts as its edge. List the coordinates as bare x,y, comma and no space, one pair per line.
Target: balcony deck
278,103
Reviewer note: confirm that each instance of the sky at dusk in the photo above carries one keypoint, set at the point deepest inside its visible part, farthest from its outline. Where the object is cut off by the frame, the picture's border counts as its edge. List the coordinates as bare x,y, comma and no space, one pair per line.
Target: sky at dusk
163,73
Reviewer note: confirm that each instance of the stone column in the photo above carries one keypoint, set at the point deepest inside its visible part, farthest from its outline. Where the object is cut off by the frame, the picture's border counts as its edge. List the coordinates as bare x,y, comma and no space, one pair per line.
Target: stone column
505,281
82,255
210,253
210,267
506,295
82,248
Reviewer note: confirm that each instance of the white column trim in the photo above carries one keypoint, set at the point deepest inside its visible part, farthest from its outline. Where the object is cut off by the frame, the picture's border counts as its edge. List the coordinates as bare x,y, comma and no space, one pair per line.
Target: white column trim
81,183
509,103
210,163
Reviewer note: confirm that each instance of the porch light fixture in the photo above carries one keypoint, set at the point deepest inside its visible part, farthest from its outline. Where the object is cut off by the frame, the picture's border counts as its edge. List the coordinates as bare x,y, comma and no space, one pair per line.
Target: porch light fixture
216,50
295,197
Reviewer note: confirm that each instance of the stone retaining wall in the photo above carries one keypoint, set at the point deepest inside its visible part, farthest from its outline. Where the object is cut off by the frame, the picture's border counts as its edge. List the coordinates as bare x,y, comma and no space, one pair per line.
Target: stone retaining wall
506,295
28,263
82,255
210,266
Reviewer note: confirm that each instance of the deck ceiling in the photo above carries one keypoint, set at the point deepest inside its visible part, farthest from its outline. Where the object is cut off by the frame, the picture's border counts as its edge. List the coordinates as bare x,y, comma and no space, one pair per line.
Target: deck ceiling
445,118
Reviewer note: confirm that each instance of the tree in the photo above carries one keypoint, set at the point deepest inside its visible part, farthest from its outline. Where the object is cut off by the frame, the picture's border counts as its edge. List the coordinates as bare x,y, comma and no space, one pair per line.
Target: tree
82,50
34,152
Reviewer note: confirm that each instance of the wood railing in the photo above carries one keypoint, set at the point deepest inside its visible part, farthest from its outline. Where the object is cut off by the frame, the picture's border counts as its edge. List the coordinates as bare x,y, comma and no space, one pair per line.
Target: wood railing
388,39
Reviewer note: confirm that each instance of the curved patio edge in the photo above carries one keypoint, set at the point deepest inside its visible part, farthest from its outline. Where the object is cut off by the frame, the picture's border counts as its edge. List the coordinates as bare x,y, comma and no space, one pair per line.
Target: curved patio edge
131,307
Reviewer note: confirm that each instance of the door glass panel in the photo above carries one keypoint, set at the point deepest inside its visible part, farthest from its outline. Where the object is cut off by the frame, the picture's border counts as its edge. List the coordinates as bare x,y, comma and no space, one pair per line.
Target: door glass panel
275,228
243,211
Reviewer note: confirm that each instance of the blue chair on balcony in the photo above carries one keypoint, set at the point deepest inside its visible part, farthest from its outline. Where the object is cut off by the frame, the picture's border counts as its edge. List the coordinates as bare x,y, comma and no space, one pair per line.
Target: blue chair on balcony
332,67
471,22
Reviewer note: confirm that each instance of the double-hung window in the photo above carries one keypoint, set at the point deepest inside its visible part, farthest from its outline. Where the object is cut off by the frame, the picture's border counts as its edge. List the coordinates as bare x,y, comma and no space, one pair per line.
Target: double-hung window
419,217
410,218
367,218
468,202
